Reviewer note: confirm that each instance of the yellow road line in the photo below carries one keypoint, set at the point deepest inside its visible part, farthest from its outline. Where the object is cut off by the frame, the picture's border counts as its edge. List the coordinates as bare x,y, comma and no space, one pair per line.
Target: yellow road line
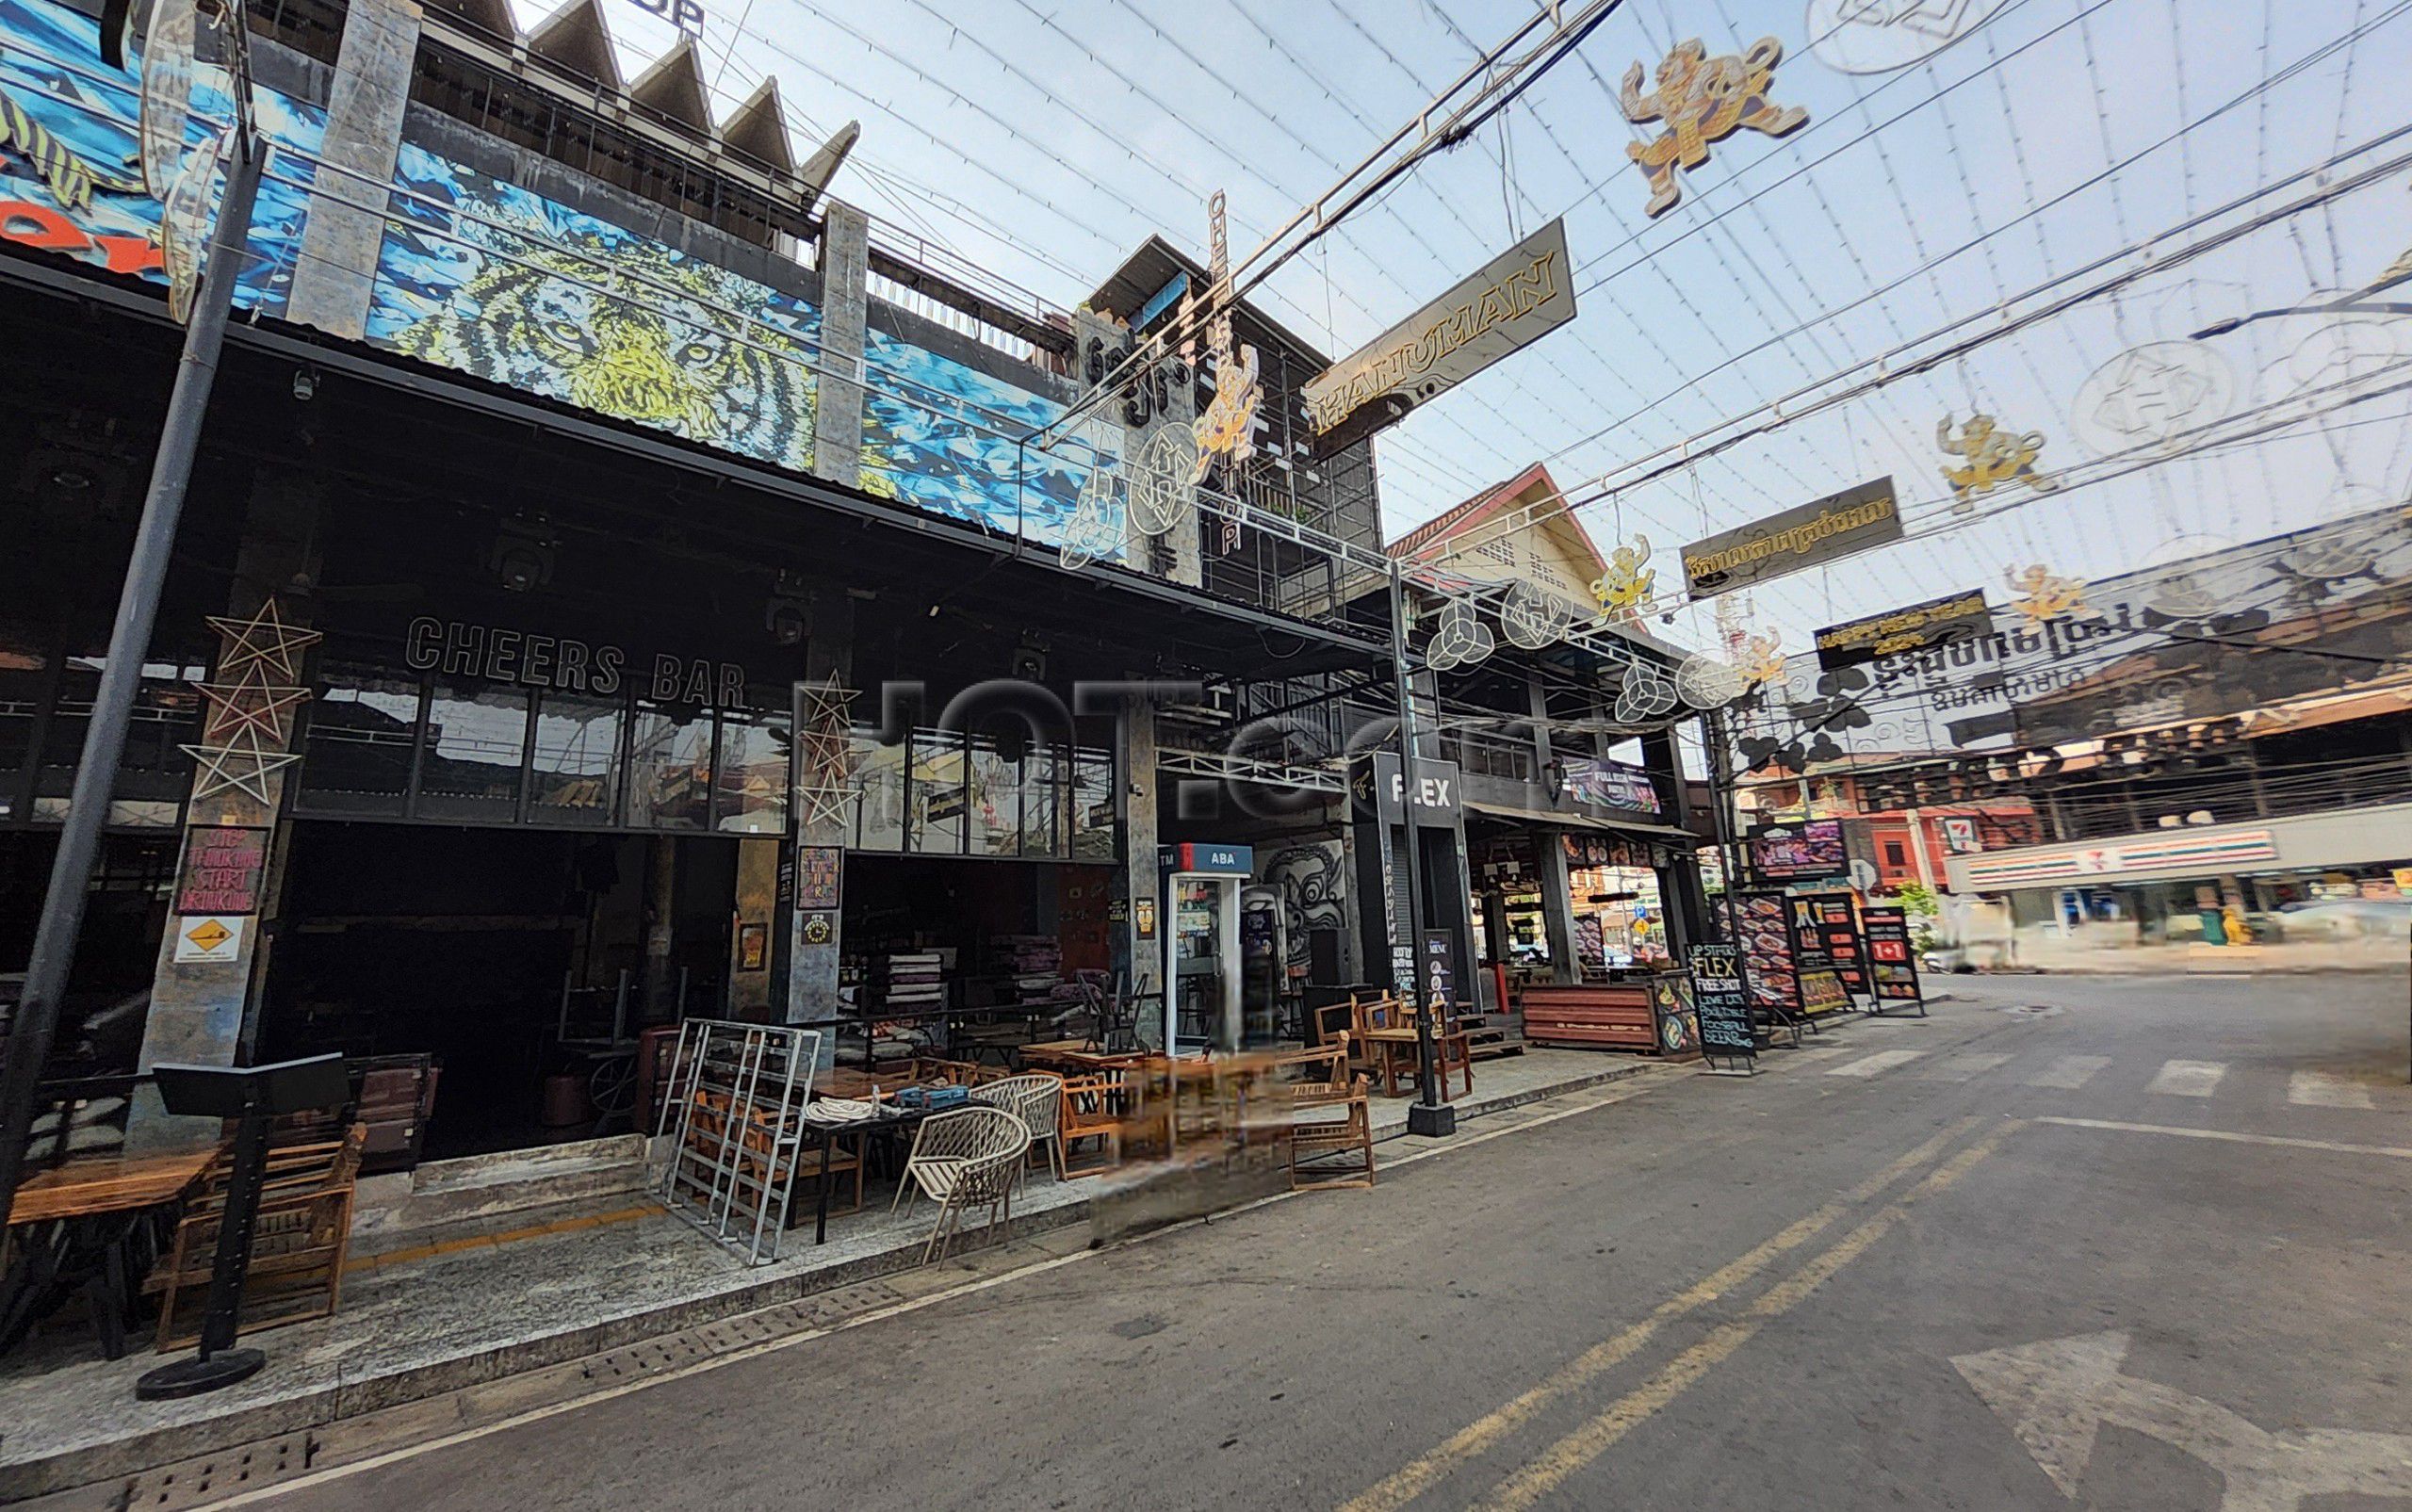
1419,1475
2226,1136
1595,1438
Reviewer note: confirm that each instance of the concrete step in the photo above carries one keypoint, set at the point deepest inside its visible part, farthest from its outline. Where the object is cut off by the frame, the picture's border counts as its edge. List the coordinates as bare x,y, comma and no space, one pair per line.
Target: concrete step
481,1187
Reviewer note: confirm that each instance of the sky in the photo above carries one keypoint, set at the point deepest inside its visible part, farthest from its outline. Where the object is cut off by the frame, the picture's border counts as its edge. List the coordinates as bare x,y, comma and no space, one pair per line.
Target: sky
2105,144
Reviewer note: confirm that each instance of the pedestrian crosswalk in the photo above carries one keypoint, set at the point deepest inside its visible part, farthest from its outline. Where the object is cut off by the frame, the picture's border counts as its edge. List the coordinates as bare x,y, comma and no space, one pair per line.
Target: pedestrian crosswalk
2188,1078
2327,1089
2174,1078
2069,1072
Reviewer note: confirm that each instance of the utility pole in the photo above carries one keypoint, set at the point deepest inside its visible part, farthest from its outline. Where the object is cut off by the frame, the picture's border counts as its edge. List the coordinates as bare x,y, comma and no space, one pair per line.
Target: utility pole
71,874
1429,1115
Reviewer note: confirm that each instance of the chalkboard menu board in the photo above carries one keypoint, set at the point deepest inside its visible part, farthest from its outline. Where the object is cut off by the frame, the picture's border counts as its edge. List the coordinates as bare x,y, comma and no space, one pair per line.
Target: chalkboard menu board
1766,942
1818,977
1721,1001
1439,969
1671,1005
1892,965
1838,924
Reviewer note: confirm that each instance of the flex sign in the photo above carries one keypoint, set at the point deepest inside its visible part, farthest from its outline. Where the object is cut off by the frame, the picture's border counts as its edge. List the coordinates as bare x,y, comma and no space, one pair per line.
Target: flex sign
1438,800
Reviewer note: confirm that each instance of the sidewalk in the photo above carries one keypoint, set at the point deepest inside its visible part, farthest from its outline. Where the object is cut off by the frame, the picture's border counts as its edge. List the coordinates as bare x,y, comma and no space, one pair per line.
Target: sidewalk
416,1323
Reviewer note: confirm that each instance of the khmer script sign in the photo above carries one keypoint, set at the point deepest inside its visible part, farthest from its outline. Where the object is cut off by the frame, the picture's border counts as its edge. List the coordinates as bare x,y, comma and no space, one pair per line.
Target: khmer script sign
1522,295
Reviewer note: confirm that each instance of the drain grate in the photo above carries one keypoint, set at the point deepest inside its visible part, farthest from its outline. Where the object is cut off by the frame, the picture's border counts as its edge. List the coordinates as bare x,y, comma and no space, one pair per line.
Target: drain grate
194,1483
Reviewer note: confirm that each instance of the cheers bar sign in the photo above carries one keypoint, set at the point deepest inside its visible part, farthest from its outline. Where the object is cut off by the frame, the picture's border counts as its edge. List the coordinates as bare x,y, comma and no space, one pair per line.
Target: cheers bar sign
1521,296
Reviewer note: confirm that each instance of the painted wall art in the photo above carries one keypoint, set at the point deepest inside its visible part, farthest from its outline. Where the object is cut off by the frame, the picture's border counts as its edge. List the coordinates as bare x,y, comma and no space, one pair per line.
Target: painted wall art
490,278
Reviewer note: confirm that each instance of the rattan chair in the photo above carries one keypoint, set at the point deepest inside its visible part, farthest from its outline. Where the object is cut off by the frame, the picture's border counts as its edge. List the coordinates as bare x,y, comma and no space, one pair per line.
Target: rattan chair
969,1157
1036,1098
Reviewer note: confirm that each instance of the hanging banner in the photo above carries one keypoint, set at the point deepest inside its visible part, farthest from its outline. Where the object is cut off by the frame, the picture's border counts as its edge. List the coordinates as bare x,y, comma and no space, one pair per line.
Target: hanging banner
1938,622
1522,295
1820,530
1786,852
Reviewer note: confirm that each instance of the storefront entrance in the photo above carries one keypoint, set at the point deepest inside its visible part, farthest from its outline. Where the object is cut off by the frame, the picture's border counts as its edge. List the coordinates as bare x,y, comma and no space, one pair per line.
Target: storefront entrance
526,962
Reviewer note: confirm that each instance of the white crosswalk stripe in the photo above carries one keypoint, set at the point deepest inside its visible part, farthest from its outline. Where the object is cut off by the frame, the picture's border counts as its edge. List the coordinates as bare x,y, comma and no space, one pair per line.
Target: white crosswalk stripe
1960,1067
2069,1072
1876,1065
2327,1089
2188,1078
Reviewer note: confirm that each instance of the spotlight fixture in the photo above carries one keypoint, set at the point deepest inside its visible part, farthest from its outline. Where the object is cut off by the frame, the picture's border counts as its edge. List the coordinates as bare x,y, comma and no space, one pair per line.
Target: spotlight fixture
785,616
305,384
523,555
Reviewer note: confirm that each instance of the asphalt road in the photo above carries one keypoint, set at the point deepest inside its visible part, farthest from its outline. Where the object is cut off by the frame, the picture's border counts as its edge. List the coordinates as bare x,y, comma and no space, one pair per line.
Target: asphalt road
2149,1248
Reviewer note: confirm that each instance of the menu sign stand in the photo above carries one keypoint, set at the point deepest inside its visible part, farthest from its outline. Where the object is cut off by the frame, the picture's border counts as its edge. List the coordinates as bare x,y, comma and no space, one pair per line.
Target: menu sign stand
1892,966
1838,933
1770,964
1721,1005
1819,986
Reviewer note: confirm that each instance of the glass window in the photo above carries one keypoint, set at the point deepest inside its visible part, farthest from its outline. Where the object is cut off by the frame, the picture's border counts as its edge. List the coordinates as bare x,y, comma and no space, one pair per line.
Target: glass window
155,775
935,822
879,775
476,737
992,800
751,779
1041,800
356,755
23,672
670,768
575,778
1092,816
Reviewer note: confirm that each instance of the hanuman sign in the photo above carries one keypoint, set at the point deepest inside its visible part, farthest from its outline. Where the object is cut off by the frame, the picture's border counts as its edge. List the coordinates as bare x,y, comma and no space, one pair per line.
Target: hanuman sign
1522,295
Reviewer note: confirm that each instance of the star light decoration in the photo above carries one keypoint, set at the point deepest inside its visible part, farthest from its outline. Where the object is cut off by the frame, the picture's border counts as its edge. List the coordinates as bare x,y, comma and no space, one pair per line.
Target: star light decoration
251,704
825,786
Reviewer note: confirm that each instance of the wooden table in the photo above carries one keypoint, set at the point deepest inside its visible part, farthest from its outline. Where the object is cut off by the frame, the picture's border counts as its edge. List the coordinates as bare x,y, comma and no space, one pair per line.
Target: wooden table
77,1225
1393,1045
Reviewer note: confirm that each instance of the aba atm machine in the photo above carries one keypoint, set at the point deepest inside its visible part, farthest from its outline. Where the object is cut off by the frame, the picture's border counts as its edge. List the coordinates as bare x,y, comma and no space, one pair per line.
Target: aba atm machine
1202,973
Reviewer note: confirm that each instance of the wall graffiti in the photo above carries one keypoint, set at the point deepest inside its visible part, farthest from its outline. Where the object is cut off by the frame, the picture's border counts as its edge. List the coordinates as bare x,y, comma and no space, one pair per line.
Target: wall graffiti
485,276
1313,891
490,278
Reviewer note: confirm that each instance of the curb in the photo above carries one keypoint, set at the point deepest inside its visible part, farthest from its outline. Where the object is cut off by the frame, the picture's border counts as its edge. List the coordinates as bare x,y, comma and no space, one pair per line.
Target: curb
147,1449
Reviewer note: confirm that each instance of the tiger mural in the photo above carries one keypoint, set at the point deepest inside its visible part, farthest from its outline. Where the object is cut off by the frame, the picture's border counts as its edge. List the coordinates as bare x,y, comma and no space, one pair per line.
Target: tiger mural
626,327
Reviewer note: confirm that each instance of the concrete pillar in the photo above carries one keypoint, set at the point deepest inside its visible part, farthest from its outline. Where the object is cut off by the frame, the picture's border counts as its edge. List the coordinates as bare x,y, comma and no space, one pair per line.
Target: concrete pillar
845,315
349,198
1558,907
660,918
202,1007
815,920
750,924
1139,939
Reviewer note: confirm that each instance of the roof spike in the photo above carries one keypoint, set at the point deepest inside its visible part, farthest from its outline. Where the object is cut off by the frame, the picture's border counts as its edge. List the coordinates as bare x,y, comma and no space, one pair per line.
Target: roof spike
759,128
577,38
674,87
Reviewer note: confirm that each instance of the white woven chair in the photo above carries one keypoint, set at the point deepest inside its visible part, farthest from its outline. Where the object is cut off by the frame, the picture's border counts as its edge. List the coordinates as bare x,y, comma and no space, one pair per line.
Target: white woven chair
1036,1098
967,1158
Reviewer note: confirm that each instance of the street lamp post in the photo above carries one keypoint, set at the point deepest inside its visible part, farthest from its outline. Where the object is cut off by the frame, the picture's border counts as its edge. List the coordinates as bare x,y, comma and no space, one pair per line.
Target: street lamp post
35,1020
1429,1115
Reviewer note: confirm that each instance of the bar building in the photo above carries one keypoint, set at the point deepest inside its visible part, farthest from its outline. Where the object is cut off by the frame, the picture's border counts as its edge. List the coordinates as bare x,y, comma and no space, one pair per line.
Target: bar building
678,613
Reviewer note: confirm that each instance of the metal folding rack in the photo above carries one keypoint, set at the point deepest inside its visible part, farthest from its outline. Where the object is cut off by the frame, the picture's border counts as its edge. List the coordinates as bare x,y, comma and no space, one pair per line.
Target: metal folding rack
734,1112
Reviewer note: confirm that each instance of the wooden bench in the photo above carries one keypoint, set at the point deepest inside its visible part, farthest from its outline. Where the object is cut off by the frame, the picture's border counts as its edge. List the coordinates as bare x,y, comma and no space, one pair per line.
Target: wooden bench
298,1241
1609,1016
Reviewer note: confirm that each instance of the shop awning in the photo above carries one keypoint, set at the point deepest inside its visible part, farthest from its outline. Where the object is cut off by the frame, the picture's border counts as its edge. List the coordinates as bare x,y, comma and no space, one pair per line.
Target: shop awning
1583,822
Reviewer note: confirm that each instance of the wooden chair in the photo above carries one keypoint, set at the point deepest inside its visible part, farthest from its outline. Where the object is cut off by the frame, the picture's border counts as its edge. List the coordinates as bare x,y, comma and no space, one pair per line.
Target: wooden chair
1330,1118
1092,1107
298,1243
